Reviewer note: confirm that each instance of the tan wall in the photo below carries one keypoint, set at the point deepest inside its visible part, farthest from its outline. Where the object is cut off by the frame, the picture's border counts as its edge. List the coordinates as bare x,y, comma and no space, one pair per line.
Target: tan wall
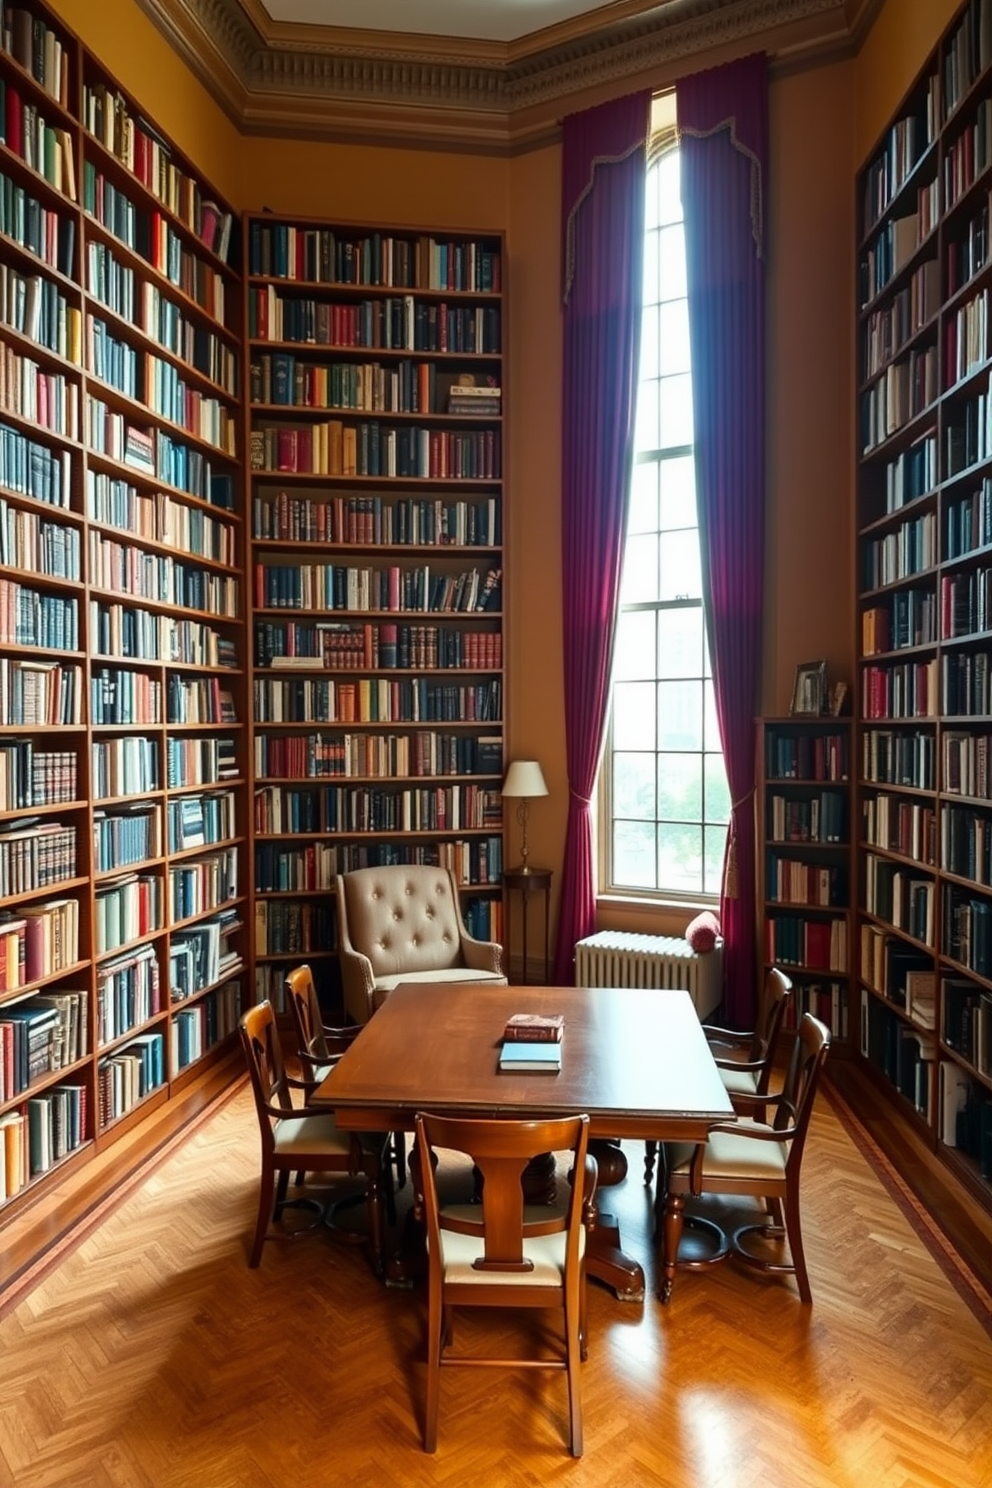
809,591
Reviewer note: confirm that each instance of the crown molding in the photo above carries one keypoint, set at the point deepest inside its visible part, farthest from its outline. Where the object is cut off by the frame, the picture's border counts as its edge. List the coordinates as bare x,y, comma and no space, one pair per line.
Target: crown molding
399,88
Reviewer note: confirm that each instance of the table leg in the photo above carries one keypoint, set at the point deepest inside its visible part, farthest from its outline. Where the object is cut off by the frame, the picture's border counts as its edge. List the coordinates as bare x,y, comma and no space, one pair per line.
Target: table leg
609,1264
672,1235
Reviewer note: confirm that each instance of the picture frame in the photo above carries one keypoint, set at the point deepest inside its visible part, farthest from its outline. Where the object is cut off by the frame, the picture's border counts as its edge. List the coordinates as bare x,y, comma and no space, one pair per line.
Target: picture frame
809,691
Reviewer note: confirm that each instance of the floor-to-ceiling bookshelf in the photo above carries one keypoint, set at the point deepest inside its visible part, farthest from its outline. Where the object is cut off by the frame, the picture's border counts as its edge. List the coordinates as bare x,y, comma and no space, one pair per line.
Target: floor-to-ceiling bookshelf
375,387
123,766
924,564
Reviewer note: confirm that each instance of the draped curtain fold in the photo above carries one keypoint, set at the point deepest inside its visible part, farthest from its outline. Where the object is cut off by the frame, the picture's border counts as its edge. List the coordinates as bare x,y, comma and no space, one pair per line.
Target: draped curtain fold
723,147
603,192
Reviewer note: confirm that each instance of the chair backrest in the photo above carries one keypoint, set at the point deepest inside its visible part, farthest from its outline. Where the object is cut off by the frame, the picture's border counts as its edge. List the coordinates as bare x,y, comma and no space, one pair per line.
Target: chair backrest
304,1008
404,918
263,1053
501,1151
795,1105
777,997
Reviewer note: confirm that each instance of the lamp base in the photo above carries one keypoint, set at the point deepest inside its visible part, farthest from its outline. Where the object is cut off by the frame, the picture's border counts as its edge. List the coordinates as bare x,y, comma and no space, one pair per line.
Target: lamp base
522,868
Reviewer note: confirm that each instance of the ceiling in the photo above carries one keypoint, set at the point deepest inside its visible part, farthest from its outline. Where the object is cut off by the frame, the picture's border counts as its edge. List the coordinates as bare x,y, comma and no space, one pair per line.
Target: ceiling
494,76
483,20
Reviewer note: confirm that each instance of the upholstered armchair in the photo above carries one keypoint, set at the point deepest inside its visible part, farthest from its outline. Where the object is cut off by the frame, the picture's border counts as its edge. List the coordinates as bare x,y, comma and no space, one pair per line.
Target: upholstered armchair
404,924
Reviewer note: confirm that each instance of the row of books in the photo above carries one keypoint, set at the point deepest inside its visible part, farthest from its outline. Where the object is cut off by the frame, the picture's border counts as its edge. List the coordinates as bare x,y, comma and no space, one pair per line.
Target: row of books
892,757
293,927
910,549
905,1055
343,646
902,898
818,817
360,808
128,993
376,700
38,941
35,853
799,940
195,1030
906,827
124,1078
890,964
371,448
37,309
40,1134
49,235
132,140
127,766
29,617
795,755
313,756
198,821
127,909
140,635
33,393
122,839
966,844
966,925
30,776
967,1011
33,469
40,1036
281,250
965,763
125,569
908,619
336,586
44,146
159,517
377,521
33,544
200,761
200,956
795,881
399,323
202,885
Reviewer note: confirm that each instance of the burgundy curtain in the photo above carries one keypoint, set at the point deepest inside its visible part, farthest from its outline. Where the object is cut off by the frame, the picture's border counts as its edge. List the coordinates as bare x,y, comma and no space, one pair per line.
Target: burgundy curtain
603,172
723,142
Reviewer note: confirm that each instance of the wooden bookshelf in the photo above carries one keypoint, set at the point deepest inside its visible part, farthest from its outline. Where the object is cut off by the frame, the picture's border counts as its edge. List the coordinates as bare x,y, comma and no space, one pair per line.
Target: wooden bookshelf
924,556
805,820
374,397
123,764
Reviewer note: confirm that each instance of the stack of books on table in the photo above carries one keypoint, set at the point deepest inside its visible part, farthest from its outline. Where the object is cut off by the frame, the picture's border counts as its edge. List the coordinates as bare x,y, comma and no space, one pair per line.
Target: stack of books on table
532,1041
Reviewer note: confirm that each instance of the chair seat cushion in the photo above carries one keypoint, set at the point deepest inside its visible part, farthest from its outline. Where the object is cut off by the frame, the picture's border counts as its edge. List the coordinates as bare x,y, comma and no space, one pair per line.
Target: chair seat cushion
313,1134
387,984
546,1251
732,1155
739,1082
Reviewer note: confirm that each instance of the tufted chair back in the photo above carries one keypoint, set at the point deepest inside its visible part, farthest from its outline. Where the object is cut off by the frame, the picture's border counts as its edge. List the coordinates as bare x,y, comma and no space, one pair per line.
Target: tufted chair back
404,923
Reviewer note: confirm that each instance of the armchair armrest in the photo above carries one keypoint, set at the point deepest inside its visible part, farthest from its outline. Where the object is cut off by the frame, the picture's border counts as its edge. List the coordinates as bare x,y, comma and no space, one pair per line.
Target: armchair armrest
482,955
733,1040
358,984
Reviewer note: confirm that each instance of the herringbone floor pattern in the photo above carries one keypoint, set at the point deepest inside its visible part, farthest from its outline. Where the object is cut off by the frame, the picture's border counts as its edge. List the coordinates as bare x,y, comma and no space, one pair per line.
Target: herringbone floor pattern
151,1357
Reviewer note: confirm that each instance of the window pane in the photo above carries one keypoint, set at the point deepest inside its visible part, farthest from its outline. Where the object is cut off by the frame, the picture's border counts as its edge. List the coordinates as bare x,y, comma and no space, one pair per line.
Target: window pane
650,331
640,570
642,514
680,858
669,208
716,843
680,641
634,855
678,492
633,715
681,575
717,789
680,787
633,786
647,422
675,397
671,261
634,653
711,732
680,715
671,337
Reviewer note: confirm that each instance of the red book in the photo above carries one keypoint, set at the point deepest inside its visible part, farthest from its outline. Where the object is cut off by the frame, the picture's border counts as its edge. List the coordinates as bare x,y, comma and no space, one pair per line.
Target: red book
534,1028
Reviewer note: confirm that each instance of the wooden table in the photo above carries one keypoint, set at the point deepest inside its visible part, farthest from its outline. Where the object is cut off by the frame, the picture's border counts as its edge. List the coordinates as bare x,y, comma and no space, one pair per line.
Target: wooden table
635,1059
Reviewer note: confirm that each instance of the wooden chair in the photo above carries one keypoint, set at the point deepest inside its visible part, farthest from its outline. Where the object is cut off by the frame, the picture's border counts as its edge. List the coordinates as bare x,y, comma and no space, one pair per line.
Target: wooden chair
320,1045
754,1158
301,1141
500,1253
745,1060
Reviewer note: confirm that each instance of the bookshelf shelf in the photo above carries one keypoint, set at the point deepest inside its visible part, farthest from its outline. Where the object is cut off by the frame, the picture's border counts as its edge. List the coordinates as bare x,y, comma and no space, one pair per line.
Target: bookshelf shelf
924,530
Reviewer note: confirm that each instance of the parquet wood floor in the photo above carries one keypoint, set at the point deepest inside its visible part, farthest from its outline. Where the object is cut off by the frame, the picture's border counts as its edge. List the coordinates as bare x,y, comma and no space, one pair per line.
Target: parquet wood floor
151,1357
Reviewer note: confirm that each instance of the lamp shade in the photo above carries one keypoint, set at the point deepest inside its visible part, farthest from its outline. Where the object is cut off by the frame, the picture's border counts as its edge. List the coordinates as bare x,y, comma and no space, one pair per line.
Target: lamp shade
524,778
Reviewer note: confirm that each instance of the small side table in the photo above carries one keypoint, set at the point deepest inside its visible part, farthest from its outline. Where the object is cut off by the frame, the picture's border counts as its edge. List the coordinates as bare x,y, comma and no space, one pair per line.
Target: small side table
537,881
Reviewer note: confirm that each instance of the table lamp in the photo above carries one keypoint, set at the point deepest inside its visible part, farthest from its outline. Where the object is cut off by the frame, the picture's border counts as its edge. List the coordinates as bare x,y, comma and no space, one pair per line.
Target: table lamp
524,780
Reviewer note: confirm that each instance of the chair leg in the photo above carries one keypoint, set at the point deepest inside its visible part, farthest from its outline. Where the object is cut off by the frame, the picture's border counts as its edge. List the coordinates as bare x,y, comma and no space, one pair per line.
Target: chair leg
264,1212
794,1231
583,1315
435,1326
397,1156
377,1234
650,1153
572,1363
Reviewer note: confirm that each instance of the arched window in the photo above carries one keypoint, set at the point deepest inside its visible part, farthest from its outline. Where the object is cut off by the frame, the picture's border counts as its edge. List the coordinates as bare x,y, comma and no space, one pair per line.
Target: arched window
663,784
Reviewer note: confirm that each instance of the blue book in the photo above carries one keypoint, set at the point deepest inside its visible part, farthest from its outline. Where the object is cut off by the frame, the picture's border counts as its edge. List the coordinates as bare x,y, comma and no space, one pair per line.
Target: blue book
536,1057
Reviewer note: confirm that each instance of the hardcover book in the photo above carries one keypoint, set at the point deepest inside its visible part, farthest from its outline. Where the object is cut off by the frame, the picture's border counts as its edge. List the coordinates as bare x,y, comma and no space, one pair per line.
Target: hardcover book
534,1028
542,1058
